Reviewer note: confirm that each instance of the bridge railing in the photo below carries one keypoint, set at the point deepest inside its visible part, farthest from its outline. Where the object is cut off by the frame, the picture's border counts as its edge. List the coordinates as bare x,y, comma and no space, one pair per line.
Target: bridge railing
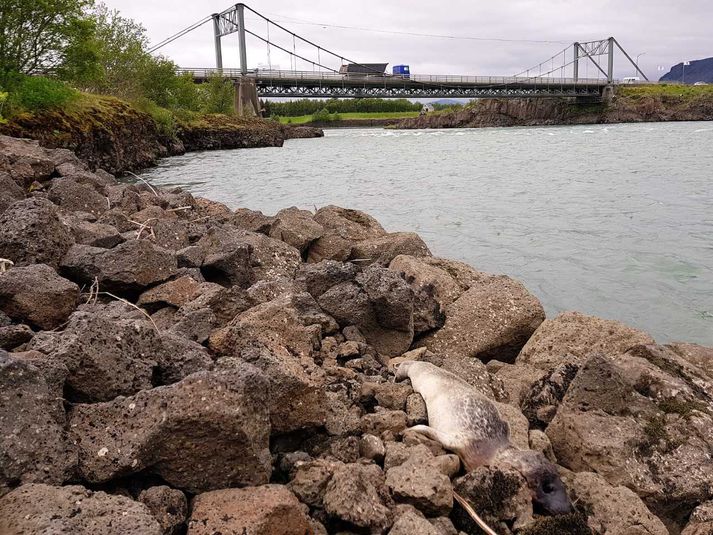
266,74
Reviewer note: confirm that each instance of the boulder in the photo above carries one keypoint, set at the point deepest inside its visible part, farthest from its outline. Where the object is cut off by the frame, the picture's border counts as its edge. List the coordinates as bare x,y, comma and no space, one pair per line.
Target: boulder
491,320
539,404
37,295
297,228
93,234
384,249
317,278
175,293
31,233
621,419
129,267
292,323
296,400
500,496
356,494
264,510
701,521
34,445
421,482
310,480
272,260
10,192
26,161
106,355
572,336
37,509
71,196
380,304
612,509
227,257
252,220
209,431
13,336
411,522
180,358
168,506
342,228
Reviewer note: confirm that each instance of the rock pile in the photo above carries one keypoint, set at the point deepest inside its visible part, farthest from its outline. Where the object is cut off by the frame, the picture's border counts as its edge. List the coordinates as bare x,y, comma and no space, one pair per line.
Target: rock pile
169,365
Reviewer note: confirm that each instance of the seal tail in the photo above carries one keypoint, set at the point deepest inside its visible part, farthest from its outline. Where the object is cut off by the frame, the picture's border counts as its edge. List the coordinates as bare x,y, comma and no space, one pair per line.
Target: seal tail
471,512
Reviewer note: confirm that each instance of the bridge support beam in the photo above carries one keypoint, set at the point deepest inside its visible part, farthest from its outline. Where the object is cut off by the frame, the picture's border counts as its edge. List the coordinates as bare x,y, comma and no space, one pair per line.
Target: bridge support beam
218,48
610,64
576,62
246,101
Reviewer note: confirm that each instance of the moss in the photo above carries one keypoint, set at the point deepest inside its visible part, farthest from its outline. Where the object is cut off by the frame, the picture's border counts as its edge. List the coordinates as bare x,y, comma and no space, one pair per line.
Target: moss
572,524
684,408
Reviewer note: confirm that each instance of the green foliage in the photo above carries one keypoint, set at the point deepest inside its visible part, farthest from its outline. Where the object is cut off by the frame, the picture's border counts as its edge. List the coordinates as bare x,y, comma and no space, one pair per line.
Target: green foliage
38,35
218,95
32,93
164,119
305,106
3,98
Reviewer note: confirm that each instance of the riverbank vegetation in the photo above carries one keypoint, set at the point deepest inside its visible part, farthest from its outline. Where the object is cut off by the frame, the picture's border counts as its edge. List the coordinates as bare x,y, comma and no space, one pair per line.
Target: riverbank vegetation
58,52
320,117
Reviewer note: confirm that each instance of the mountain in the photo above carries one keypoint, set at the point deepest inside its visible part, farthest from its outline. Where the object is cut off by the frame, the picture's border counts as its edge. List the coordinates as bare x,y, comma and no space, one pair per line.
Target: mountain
700,70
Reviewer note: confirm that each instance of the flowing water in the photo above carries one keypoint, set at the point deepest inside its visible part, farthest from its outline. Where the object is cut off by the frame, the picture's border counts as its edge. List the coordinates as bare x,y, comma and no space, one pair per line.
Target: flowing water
615,220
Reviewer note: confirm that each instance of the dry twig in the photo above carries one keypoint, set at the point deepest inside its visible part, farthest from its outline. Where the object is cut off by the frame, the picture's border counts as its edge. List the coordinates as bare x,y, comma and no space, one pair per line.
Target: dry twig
471,512
132,305
145,182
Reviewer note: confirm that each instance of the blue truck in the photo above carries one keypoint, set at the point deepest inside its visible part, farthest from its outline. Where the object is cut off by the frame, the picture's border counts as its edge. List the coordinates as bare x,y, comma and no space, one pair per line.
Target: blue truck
401,70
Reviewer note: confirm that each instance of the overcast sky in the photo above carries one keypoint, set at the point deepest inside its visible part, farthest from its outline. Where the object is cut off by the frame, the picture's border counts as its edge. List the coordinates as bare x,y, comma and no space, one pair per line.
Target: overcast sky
666,31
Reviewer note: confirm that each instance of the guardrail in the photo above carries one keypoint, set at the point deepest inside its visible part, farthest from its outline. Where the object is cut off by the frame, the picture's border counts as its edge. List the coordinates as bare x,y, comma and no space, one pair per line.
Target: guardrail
313,76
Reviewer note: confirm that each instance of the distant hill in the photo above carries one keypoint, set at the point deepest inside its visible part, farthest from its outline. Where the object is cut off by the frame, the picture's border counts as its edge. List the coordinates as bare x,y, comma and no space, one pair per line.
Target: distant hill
700,70
448,101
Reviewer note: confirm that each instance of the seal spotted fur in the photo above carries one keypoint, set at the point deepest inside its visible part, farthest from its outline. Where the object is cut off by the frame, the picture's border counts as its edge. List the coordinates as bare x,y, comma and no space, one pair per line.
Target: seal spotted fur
469,424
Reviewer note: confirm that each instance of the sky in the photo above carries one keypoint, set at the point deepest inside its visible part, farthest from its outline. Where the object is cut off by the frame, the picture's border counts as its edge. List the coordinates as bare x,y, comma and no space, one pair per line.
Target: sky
503,37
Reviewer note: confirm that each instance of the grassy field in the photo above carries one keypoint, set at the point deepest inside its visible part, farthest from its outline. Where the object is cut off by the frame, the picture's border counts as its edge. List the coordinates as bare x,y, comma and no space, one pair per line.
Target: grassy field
302,119
664,90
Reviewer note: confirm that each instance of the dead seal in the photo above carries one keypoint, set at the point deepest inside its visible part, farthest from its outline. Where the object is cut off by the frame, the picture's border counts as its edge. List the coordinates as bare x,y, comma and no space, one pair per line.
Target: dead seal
469,424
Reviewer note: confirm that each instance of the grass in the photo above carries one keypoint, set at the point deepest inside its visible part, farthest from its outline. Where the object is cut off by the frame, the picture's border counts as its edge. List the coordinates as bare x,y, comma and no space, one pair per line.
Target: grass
664,90
304,119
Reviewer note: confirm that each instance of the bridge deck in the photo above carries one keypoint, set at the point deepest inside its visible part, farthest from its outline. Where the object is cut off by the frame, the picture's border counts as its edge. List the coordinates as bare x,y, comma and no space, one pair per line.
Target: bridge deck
272,83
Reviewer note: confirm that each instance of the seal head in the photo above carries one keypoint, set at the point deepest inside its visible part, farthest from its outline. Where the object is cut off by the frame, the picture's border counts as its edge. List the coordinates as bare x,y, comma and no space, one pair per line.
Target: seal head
546,487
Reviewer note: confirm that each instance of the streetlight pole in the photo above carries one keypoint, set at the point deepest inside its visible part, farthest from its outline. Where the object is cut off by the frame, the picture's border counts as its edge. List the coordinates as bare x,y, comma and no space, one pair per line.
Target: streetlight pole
637,62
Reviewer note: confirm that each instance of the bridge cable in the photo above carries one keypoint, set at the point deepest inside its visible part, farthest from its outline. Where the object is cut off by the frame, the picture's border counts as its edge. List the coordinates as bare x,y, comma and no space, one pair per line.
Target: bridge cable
288,51
181,33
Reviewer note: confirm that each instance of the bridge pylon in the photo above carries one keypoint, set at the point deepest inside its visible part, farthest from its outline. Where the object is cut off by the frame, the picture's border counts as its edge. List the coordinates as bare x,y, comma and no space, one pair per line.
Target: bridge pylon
246,101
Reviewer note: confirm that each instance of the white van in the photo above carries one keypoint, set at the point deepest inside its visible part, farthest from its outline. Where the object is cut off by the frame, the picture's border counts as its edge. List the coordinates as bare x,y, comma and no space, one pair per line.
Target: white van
630,80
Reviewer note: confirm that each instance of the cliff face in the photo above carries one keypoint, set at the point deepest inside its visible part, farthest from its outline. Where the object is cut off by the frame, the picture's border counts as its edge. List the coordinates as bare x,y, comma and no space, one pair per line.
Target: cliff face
108,133
628,106
104,132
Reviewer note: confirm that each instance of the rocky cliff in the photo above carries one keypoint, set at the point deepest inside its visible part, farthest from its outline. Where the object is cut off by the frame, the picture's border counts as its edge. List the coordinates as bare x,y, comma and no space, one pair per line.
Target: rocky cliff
628,105
169,366
111,134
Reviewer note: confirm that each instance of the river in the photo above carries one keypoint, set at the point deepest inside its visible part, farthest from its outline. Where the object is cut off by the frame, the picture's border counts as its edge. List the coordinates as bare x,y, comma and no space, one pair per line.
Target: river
610,220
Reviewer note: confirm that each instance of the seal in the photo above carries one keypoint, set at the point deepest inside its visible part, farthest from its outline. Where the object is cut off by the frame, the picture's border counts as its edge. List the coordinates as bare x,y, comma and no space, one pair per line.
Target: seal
469,424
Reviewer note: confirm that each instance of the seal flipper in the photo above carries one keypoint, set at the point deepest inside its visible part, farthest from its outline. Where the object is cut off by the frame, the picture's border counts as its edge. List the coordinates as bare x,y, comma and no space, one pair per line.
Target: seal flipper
447,441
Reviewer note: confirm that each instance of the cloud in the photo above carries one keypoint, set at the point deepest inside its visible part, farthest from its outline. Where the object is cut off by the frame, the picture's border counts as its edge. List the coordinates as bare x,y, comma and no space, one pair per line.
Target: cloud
664,32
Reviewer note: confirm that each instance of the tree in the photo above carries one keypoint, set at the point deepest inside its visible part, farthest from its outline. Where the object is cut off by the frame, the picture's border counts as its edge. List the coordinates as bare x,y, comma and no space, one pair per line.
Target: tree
35,35
218,95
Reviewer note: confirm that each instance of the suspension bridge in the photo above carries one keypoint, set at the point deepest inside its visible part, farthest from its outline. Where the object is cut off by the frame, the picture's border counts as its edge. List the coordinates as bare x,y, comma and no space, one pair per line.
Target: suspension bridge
557,76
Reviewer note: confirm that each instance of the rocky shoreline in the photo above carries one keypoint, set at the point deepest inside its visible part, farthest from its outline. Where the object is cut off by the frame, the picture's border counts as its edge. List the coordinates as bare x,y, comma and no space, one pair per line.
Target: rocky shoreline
113,135
565,111
170,366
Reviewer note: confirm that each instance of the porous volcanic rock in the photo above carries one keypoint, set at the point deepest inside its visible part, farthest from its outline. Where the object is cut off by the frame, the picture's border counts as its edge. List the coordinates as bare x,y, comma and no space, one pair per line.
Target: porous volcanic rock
384,249
638,421
71,196
296,227
37,509
129,267
209,431
31,233
168,506
264,510
106,354
572,336
493,319
36,295
34,445
701,521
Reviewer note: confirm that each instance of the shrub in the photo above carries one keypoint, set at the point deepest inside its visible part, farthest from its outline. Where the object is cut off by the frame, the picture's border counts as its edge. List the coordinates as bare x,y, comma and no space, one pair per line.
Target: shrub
31,93
164,119
3,98
321,116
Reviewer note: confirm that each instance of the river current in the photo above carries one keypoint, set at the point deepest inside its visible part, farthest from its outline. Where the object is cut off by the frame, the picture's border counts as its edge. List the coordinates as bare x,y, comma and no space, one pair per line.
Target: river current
610,220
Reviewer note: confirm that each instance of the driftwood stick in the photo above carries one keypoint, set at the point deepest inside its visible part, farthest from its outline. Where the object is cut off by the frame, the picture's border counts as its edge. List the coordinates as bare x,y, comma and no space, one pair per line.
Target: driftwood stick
471,512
